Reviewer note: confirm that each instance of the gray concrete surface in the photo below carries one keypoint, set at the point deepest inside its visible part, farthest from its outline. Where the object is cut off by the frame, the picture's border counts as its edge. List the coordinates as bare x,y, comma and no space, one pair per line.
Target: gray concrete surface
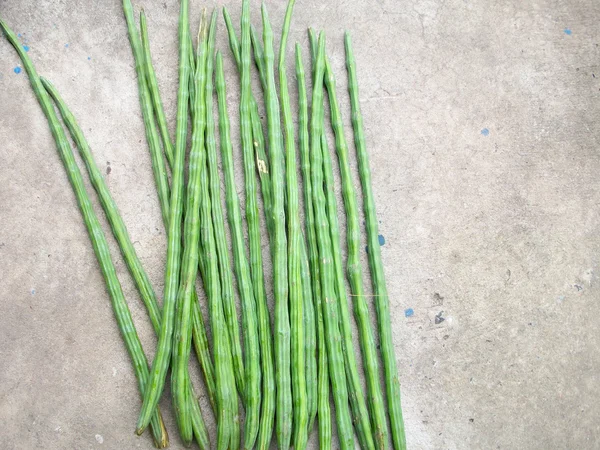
482,122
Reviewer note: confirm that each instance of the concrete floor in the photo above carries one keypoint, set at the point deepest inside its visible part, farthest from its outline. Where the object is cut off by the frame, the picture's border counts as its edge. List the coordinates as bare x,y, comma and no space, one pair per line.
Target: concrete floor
482,122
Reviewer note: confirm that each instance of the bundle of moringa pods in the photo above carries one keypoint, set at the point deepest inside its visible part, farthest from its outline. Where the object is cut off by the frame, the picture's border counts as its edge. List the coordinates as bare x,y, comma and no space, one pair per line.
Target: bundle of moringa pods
279,370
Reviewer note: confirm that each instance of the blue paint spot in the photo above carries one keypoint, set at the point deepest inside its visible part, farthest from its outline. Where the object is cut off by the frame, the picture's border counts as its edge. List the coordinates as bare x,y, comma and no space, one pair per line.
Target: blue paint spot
33,292
485,132
26,48
20,35
409,312
66,45
17,69
381,239
568,31
89,58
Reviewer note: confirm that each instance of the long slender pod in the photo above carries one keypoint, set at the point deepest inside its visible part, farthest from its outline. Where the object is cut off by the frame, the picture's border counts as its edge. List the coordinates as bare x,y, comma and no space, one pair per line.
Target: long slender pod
120,233
313,256
189,265
154,91
358,406
280,276
262,163
158,163
199,336
227,295
382,303
256,267
118,227
227,421
160,173
354,270
164,348
330,303
357,400
265,179
242,267
324,410
108,204
310,327
259,59
357,403
225,383
99,243
222,255
253,405
298,374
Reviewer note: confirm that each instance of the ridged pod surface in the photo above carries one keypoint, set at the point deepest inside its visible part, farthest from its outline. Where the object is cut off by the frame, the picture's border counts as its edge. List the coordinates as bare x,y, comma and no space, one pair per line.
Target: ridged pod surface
329,302
382,303
99,243
283,410
160,364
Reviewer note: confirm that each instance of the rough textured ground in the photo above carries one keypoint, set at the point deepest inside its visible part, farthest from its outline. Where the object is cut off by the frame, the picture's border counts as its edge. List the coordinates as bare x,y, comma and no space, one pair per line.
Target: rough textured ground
482,123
